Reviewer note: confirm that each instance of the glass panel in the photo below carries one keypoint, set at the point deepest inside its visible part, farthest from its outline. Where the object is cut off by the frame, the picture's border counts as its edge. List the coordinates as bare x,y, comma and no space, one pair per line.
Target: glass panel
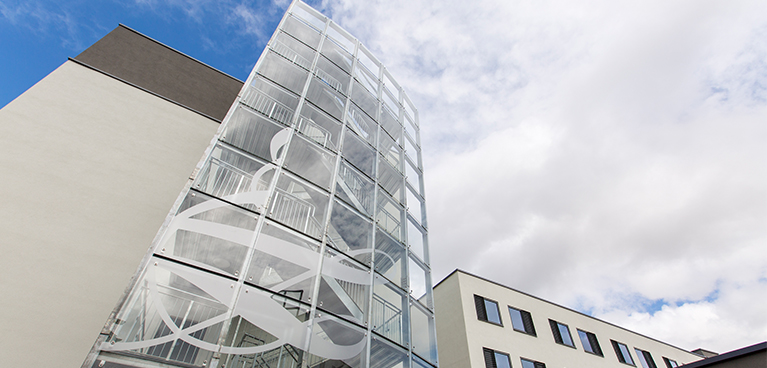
419,363
283,72
336,343
358,153
389,216
390,259
415,239
254,133
310,161
209,233
284,262
413,176
414,205
319,127
516,319
301,31
169,302
337,55
369,81
362,124
527,364
299,206
266,329
309,15
419,282
293,50
641,358
332,75
236,177
387,355
565,332
410,129
626,354
351,233
388,311
390,124
391,151
390,180
409,109
390,85
368,61
344,287
491,308
584,341
341,37
424,341
367,102
390,102
328,99
355,189
270,100
412,151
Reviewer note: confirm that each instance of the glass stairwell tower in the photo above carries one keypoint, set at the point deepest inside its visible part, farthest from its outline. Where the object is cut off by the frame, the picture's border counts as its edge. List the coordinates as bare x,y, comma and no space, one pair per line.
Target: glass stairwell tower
300,239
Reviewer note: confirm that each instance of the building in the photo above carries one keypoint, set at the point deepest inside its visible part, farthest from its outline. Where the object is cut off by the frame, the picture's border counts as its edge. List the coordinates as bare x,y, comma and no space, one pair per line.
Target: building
299,238
754,356
481,323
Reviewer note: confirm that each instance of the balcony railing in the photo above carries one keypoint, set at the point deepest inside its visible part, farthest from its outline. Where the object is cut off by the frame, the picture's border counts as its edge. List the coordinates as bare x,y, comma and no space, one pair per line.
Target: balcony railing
295,212
291,55
314,131
268,106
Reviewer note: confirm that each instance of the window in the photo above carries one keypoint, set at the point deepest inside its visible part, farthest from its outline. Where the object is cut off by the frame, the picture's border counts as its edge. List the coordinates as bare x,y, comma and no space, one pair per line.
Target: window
487,310
532,364
622,352
561,333
590,343
496,359
670,363
645,358
522,321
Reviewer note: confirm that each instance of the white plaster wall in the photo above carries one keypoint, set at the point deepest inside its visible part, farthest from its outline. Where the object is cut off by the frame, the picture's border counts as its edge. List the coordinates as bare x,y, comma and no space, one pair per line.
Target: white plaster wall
543,348
453,347
90,168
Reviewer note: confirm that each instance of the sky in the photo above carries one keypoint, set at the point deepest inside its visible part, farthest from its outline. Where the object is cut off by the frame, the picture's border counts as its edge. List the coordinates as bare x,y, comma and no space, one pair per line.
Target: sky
606,155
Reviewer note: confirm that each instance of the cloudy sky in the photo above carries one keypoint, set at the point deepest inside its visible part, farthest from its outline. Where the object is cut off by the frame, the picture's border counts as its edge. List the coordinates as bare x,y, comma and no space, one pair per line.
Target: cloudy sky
610,156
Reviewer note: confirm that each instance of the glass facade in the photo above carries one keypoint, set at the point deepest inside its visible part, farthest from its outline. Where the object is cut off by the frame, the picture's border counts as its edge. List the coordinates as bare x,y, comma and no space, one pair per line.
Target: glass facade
301,240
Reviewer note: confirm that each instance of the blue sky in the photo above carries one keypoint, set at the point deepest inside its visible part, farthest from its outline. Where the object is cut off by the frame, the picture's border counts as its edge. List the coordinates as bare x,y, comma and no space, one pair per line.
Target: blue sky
607,155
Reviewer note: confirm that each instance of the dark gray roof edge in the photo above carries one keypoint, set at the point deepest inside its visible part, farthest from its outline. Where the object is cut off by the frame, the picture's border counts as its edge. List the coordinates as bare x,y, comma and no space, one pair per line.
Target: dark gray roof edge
78,62
729,355
560,306
176,51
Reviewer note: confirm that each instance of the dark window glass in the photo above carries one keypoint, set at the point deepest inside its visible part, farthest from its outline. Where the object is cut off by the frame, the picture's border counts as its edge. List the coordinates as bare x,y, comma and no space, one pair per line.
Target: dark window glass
487,310
645,359
561,333
622,352
590,342
532,364
670,363
496,359
522,321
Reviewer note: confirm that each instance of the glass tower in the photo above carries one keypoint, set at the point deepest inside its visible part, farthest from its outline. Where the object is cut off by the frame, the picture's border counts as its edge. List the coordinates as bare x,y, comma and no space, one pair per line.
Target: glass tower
300,239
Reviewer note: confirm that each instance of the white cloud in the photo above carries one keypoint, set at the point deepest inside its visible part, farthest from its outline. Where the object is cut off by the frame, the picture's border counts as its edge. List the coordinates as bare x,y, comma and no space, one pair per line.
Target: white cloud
604,155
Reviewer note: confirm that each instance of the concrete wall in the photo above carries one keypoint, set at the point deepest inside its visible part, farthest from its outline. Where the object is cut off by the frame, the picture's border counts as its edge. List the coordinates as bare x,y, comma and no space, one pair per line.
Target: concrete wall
542,348
90,167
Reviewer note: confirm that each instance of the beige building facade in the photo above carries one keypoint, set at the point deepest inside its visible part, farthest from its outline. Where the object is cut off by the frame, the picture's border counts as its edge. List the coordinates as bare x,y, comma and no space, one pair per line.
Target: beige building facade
481,323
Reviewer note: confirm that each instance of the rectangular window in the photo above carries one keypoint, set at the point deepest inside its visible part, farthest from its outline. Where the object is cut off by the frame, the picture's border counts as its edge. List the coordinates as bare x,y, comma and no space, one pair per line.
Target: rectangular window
645,358
561,333
532,364
487,310
670,363
622,352
522,321
590,343
496,359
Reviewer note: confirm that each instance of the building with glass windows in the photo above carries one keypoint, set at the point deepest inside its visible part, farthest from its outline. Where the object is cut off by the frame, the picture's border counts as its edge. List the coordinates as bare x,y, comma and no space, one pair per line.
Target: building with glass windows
300,238
485,324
